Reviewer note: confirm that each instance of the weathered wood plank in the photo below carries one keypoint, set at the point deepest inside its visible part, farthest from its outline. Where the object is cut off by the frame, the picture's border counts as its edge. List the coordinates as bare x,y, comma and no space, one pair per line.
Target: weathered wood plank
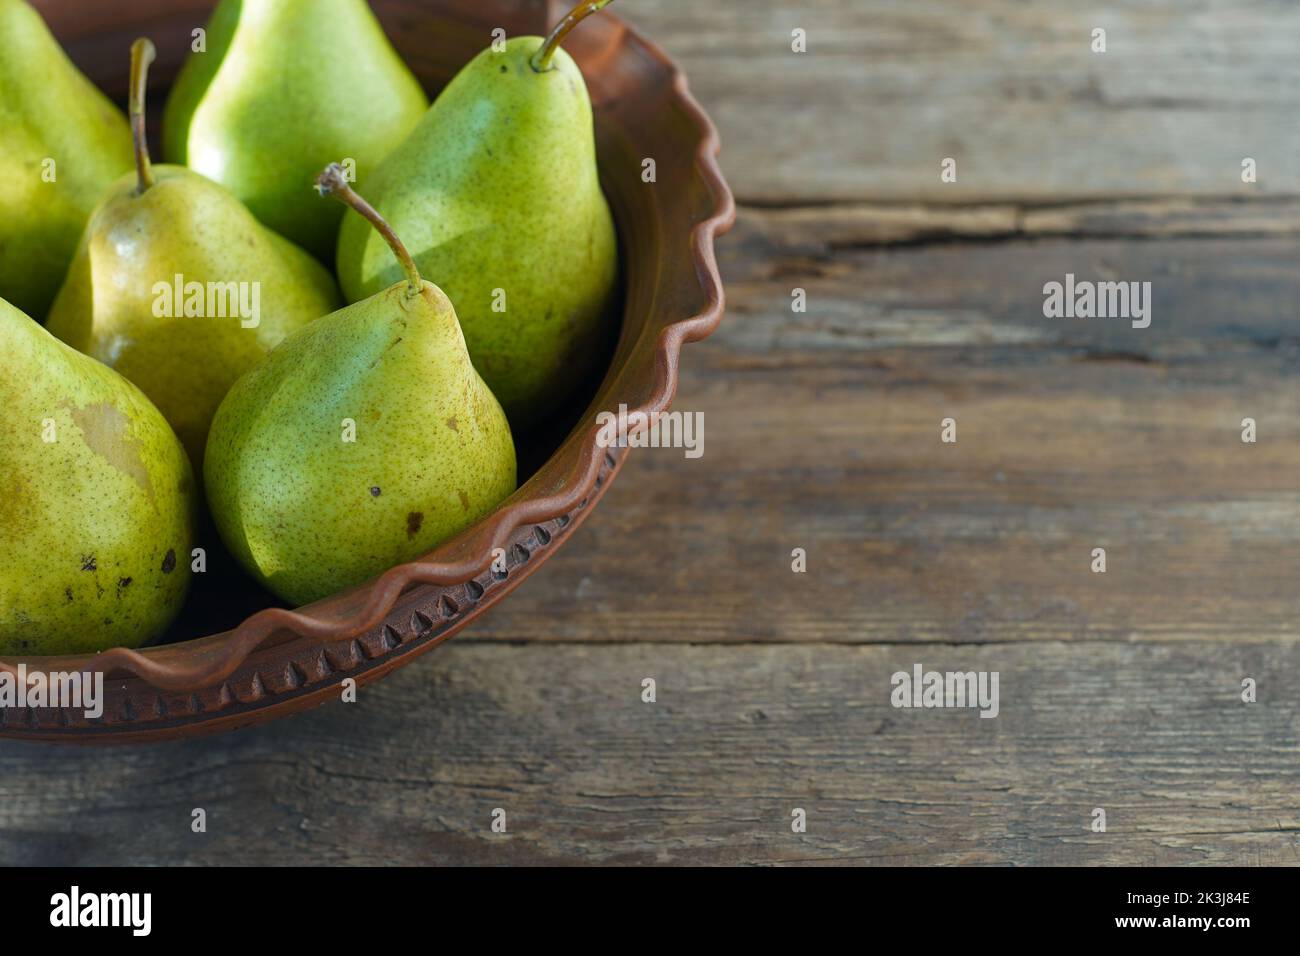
1011,90
822,431
829,229
586,772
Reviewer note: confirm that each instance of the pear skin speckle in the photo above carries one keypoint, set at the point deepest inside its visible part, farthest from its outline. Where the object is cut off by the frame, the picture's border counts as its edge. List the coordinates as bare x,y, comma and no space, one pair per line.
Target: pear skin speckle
497,189
92,474
48,111
189,226
285,87
283,482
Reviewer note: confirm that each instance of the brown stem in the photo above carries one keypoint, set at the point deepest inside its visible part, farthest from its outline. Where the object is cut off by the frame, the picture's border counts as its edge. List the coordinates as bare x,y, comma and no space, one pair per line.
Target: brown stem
142,54
333,181
541,61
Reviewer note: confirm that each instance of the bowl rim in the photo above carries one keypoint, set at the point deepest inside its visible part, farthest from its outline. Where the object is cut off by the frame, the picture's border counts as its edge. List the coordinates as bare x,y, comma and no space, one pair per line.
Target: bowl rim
476,544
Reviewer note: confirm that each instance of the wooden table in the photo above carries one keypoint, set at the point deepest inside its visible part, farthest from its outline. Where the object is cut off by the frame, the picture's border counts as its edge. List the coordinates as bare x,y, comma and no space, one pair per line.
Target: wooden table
1119,690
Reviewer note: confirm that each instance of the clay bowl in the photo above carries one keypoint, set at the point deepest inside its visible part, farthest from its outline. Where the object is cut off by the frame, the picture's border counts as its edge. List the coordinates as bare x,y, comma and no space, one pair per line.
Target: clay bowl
278,661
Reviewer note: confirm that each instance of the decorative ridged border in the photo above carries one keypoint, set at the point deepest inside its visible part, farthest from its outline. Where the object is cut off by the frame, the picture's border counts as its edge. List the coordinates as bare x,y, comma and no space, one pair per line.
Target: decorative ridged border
147,711
207,677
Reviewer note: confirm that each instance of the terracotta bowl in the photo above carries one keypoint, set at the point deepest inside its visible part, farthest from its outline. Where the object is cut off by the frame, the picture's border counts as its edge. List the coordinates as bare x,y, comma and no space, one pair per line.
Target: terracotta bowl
278,661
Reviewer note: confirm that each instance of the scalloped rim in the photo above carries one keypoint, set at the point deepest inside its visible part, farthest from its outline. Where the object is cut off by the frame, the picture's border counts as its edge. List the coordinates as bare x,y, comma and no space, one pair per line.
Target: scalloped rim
496,530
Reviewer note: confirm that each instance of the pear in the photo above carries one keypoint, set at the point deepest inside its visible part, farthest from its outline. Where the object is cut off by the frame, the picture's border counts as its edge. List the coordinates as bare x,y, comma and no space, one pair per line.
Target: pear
284,87
180,289
497,196
362,442
61,143
97,518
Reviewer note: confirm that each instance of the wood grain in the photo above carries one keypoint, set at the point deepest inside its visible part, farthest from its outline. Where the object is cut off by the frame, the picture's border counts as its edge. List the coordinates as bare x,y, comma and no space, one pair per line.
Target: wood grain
559,738
1010,90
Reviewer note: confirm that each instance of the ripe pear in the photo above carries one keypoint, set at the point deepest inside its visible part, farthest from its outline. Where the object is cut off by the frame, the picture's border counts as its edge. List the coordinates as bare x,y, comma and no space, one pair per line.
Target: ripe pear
284,87
98,513
497,195
241,288
61,143
363,441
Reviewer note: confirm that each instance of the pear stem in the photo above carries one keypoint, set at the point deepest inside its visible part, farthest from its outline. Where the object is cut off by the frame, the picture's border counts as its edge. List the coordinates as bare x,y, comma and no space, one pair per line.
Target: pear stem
142,54
333,181
541,61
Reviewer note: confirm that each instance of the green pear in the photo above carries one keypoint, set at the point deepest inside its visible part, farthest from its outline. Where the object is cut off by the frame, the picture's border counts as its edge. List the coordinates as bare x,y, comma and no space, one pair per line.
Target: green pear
97,518
180,289
497,196
362,442
61,143
284,87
